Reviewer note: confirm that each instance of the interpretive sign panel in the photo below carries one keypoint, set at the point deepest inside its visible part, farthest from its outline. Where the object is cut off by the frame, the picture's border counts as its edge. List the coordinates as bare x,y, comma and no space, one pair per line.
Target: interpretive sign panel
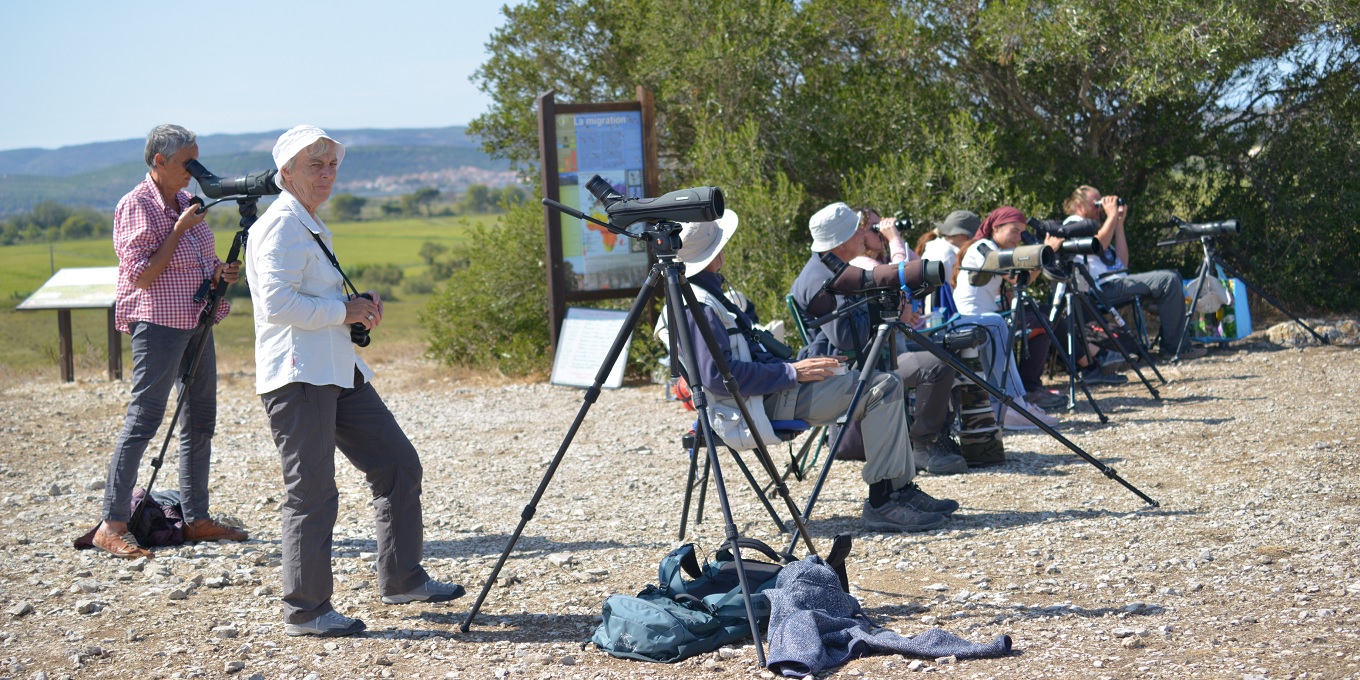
608,144
587,335
75,288
80,288
617,141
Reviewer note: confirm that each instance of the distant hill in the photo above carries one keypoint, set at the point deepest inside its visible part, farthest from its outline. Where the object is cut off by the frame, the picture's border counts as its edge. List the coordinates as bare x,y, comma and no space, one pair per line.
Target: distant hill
377,162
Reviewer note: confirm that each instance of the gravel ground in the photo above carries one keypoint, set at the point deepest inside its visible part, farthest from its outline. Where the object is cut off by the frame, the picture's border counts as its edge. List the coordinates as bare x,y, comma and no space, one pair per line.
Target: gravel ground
1249,569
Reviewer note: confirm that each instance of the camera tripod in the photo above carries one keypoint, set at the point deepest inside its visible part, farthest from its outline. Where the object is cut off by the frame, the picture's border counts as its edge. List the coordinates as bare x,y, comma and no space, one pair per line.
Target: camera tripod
248,207
1208,264
1023,303
1078,308
663,241
887,302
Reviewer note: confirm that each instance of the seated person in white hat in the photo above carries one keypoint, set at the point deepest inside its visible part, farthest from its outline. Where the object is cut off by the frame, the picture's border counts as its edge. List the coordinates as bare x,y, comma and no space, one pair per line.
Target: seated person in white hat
811,389
840,231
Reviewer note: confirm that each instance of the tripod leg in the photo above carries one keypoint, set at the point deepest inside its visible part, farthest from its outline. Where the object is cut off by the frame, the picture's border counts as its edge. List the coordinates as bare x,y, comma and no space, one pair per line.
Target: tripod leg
762,454
1067,358
1119,321
860,387
689,484
930,346
1090,308
1190,306
674,295
591,394
1274,303
755,486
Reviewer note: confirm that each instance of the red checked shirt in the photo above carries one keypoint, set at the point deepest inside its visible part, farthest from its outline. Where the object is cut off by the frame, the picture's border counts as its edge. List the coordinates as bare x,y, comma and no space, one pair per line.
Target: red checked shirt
141,223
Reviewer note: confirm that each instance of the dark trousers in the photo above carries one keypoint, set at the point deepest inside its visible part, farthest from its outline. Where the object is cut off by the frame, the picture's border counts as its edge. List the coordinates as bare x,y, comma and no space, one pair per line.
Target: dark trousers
1163,287
160,355
1031,368
309,422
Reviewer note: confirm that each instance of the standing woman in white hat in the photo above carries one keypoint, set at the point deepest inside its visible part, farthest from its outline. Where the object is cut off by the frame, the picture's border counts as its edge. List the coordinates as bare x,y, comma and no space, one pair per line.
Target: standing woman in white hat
316,391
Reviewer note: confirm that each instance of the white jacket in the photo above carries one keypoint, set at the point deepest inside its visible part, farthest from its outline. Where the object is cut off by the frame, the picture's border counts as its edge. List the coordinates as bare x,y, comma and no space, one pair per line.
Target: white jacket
299,301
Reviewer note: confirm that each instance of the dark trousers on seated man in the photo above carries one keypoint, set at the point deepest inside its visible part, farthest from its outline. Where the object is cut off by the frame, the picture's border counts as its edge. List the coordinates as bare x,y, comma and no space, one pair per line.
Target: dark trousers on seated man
1163,288
933,381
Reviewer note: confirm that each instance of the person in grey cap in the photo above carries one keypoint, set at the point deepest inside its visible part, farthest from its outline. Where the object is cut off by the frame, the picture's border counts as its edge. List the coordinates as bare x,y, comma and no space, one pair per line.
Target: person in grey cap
317,394
946,238
811,389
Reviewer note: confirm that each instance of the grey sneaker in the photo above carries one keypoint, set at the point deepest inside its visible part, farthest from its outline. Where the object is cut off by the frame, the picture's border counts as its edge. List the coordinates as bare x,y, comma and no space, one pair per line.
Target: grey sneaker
917,498
937,459
330,624
1113,362
1098,376
895,516
429,591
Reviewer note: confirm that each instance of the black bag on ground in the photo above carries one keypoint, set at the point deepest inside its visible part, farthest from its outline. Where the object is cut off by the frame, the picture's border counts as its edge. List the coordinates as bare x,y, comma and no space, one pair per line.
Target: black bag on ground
161,522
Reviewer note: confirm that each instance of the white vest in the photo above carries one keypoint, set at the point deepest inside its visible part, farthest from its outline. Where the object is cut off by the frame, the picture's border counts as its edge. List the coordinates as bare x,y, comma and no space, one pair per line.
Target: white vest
723,415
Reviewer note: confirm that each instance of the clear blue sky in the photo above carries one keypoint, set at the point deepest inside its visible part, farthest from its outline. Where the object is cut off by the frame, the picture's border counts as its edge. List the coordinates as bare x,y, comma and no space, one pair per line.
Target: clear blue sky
84,71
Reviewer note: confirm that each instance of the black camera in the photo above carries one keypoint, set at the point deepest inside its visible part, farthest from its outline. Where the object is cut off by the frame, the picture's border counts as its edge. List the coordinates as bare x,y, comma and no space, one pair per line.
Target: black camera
1073,229
1086,245
255,184
1229,227
900,220
699,204
963,338
357,333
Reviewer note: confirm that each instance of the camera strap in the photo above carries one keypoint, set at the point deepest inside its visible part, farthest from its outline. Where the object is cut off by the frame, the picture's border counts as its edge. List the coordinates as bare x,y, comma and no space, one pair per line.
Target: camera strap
330,256
759,336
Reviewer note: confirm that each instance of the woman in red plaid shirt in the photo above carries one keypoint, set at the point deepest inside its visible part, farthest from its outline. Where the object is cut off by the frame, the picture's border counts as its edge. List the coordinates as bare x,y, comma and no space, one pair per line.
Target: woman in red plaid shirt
165,252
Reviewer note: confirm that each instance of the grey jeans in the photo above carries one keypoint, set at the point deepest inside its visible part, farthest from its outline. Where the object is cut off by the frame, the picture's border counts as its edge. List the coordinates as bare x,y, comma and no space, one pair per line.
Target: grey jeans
933,381
887,446
309,422
1163,287
160,355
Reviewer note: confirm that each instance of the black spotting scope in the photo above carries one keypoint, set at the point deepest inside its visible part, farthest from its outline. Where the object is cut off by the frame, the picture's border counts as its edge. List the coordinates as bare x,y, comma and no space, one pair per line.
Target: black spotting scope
259,183
1229,227
698,204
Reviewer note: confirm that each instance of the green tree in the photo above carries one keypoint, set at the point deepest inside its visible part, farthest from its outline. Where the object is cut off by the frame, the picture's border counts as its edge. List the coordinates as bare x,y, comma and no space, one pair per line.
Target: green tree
430,251
49,215
1201,109
489,315
392,208
425,197
346,207
511,195
478,199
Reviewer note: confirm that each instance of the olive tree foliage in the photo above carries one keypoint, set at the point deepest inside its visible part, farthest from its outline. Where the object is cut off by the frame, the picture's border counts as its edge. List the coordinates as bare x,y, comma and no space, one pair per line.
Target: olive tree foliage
1205,109
493,313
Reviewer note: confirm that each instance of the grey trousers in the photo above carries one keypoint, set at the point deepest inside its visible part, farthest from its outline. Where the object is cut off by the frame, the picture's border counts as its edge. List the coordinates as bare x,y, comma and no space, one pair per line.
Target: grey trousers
309,422
887,446
1163,287
160,355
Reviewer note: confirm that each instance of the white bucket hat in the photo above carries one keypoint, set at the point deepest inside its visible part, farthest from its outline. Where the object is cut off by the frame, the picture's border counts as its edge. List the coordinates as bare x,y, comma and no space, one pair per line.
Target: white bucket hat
832,226
299,138
700,242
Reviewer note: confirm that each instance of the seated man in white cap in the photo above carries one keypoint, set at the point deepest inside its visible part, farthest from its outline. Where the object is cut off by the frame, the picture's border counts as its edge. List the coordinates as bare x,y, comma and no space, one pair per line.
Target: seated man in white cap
838,230
812,389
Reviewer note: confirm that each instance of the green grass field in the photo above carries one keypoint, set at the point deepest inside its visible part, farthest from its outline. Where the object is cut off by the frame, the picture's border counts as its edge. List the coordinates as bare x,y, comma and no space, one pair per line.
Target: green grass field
28,340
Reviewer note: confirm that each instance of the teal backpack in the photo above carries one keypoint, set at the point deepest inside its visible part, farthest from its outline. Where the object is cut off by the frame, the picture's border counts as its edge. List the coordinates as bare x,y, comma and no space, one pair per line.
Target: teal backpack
682,617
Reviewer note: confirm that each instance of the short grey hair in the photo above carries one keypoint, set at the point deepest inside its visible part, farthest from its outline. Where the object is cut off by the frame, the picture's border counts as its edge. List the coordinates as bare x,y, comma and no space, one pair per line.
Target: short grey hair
167,140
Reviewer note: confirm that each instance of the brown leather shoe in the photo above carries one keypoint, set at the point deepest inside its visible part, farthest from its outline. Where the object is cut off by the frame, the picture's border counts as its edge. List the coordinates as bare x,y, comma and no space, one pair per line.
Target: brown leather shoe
210,530
117,546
